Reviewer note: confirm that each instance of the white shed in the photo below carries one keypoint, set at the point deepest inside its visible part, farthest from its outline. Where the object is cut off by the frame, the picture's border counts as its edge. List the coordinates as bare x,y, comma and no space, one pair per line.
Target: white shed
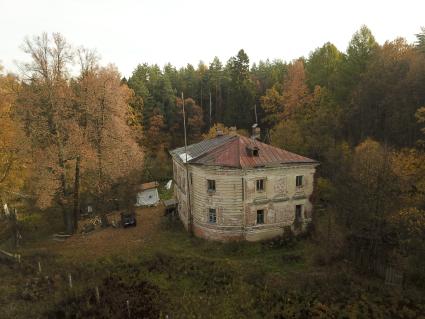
148,194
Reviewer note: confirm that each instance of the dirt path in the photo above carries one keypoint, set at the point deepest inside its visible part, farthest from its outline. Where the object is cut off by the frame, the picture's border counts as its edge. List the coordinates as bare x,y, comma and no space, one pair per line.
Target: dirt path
111,241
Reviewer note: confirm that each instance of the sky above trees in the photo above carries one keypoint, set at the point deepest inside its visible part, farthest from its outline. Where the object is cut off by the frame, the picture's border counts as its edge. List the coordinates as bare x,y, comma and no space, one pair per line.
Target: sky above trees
129,32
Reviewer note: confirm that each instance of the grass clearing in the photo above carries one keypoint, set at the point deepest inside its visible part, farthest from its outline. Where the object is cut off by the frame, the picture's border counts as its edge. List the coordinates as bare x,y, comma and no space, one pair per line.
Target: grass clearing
162,270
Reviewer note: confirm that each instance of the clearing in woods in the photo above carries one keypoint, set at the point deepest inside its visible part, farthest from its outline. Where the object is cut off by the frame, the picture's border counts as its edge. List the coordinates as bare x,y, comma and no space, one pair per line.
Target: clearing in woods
164,271
109,241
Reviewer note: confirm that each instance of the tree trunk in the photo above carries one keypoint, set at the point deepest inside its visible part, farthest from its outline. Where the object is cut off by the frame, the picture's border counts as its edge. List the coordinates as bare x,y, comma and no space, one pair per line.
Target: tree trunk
68,217
77,194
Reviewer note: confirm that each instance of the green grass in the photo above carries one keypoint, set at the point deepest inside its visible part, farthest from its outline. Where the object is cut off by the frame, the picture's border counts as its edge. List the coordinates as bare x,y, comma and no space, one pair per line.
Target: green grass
165,193
175,240
187,277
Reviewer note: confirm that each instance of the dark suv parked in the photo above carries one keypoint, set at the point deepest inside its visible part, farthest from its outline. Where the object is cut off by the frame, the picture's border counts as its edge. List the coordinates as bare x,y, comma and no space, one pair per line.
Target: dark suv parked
128,219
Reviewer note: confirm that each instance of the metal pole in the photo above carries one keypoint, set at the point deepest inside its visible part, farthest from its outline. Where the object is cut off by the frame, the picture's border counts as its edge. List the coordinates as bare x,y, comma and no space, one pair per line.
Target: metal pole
210,108
189,225
184,128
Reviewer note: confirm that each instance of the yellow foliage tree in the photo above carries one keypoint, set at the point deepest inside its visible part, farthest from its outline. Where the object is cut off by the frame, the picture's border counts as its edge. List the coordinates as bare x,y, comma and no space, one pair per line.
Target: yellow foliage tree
225,130
420,116
409,166
13,164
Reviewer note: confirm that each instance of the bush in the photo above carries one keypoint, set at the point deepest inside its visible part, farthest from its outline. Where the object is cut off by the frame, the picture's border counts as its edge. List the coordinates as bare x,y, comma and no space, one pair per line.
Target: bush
288,240
117,297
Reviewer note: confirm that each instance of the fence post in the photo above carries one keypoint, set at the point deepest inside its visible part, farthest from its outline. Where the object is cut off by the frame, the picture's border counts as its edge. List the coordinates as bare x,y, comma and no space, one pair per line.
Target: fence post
128,308
97,294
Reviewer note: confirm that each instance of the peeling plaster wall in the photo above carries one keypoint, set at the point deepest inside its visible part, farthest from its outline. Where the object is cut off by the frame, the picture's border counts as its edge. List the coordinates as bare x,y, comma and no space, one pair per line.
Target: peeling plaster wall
278,200
236,200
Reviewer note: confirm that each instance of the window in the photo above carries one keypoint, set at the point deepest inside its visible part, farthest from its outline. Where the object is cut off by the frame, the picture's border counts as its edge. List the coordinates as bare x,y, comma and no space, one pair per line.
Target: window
212,216
298,211
211,185
252,150
299,181
260,185
298,216
260,216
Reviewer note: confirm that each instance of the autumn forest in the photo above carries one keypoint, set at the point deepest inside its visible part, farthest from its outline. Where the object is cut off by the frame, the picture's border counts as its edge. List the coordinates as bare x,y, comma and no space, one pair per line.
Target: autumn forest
75,133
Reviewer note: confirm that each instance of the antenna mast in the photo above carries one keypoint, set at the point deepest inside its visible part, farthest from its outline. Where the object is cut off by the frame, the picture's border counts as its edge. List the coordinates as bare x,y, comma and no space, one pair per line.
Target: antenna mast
189,212
184,128
210,108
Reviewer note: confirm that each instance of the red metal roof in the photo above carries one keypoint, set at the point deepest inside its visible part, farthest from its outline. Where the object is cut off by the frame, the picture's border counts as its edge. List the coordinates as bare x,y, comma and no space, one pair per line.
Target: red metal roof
233,152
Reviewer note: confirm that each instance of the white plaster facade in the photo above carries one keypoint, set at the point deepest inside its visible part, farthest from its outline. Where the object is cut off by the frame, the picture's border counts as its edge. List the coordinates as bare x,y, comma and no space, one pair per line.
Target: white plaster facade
238,203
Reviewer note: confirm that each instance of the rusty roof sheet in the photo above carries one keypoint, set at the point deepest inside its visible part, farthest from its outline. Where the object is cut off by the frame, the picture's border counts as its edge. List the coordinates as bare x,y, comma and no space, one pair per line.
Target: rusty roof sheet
198,149
232,152
149,185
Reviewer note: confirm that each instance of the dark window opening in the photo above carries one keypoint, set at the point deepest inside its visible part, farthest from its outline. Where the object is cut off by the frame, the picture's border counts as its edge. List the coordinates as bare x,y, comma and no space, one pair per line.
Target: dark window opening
260,184
260,216
252,150
211,185
212,216
298,216
299,181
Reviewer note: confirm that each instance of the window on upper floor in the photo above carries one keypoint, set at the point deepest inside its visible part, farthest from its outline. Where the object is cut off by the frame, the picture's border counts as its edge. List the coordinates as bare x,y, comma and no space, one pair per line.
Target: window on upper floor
211,185
299,181
260,185
260,216
212,216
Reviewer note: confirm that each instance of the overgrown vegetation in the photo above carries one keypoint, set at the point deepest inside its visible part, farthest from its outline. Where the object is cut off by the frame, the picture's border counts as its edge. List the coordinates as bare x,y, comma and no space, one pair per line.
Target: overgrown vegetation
182,277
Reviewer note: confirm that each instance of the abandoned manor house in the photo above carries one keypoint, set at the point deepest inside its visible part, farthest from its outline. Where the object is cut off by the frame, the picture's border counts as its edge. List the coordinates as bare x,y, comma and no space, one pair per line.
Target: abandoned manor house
233,187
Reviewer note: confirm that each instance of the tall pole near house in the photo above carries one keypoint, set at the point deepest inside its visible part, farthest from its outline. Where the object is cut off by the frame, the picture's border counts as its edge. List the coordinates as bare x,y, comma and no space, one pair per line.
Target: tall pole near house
189,212
184,128
210,108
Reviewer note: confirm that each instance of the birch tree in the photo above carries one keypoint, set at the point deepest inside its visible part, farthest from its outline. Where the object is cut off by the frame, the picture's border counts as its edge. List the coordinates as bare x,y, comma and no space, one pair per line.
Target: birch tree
46,110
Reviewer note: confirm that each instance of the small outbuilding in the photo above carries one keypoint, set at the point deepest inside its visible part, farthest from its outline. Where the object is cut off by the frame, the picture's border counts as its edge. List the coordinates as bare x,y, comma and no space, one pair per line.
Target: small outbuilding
147,194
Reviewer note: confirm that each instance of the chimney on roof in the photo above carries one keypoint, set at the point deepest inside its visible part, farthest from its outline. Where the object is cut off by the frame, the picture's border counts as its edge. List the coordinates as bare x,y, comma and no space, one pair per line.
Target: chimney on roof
218,132
256,132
